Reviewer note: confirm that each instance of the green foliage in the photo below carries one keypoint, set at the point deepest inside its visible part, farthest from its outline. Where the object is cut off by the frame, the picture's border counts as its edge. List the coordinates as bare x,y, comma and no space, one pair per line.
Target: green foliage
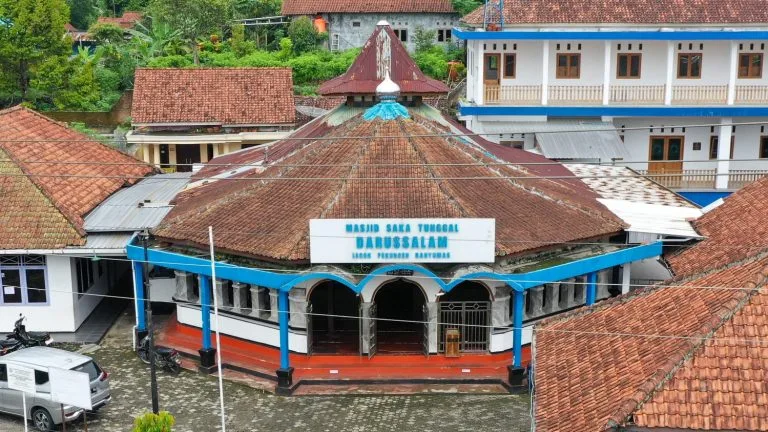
303,34
174,61
149,422
286,49
463,7
34,37
425,39
106,33
118,7
433,62
193,19
305,90
239,45
83,13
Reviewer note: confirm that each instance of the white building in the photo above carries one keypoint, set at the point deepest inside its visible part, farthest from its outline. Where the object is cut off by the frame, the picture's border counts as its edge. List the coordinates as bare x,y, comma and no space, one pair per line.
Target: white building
680,86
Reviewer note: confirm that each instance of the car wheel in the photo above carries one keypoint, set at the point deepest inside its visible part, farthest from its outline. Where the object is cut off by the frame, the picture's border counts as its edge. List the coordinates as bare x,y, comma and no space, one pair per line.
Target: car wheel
42,419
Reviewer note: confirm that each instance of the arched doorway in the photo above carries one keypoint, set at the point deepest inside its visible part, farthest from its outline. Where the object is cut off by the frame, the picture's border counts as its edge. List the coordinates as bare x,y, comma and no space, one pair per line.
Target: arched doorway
333,323
400,311
466,308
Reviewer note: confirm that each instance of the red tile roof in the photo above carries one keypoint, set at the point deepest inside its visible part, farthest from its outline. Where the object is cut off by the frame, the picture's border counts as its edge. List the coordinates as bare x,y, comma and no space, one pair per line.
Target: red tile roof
127,21
64,166
530,213
684,355
224,96
370,67
655,12
312,7
735,230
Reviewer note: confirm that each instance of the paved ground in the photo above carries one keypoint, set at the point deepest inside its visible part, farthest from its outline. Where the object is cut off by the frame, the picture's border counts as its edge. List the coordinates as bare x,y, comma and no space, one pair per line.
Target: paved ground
193,399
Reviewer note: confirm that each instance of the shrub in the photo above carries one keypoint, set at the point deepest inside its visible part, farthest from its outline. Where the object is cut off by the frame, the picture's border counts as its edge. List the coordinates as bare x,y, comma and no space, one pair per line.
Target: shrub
303,34
149,422
433,62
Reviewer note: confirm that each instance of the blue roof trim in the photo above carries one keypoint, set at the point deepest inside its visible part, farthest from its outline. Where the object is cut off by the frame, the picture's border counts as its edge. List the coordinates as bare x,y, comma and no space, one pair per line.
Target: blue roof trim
286,281
615,111
611,35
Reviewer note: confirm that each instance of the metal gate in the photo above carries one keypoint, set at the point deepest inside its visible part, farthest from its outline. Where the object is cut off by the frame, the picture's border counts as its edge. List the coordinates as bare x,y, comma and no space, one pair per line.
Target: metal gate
472,319
425,336
310,337
372,330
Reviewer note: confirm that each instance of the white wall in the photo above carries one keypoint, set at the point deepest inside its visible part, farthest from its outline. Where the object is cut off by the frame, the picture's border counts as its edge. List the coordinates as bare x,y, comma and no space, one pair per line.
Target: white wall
58,314
86,303
653,62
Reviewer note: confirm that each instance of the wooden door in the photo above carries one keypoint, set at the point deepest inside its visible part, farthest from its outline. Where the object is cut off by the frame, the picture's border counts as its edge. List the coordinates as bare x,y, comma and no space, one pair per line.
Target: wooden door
665,156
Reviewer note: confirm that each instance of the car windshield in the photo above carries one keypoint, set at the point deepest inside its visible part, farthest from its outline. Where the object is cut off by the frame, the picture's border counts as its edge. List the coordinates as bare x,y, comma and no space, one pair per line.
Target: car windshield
90,368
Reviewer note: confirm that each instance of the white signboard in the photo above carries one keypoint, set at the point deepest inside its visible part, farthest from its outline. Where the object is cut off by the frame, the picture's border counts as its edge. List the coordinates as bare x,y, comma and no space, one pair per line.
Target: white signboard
70,388
341,241
21,378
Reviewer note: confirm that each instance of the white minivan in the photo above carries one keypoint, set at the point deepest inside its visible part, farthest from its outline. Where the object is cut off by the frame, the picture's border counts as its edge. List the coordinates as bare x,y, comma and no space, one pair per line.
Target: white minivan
44,413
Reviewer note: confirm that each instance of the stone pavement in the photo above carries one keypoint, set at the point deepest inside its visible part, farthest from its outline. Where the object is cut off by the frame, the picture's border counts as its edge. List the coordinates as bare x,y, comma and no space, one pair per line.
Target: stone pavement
193,399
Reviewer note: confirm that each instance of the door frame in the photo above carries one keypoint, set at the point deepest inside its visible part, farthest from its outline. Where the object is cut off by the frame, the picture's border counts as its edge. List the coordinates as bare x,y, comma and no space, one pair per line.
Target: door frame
497,81
665,161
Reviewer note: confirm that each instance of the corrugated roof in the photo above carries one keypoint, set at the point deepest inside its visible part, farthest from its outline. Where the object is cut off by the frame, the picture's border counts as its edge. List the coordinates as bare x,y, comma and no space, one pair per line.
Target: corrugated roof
655,218
106,241
603,145
121,211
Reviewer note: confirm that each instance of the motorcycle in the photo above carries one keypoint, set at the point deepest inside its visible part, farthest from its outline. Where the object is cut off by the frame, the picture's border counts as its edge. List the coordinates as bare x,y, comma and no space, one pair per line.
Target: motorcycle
8,346
166,358
28,339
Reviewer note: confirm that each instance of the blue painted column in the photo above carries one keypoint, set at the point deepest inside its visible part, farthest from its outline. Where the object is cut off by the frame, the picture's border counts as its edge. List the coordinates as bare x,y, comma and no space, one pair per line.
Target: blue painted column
138,291
591,288
517,331
205,310
285,373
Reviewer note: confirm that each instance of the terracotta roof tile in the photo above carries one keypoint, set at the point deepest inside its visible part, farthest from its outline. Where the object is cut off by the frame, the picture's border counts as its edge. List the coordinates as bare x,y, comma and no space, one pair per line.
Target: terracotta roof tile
527,215
55,157
224,96
312,7
656,12
370,68
127,21
734,230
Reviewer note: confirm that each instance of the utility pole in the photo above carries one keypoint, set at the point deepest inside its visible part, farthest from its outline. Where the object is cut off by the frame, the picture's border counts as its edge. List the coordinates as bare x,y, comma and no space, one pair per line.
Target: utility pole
150,326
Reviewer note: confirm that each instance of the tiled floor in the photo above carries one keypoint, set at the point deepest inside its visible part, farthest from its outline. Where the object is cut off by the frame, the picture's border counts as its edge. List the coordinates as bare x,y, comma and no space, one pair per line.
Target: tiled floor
97,324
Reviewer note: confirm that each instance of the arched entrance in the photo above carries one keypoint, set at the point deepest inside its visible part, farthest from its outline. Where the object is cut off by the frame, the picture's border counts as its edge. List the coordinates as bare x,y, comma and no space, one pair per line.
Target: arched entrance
333,322
466,308
400,306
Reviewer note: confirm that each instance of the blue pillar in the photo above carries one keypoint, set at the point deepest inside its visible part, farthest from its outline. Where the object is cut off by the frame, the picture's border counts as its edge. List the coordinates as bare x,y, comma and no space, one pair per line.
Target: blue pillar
517,331
285,373
205,310
591,288
138,291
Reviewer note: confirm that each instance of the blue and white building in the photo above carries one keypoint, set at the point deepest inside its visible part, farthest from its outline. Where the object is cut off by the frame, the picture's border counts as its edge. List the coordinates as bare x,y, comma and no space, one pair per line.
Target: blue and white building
677,91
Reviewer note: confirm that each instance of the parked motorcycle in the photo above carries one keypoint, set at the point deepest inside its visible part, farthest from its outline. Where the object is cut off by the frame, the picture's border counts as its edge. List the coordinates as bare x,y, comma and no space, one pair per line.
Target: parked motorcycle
8,346
166,358
28,339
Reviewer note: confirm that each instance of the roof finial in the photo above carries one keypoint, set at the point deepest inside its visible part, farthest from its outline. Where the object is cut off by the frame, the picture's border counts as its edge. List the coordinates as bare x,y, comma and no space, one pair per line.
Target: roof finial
387,87
388,108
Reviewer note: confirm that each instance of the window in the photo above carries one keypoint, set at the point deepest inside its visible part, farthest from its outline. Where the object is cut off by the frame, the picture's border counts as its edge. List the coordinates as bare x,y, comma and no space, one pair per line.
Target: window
751,65
714,143
41,377
402,34
355,23
764,147
84,271
510,60
628,66
23,279
444,35
689,65
3,373
568,65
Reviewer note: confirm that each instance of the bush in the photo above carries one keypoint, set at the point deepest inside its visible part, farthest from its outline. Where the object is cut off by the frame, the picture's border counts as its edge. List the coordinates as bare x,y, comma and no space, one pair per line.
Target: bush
425,39
107,33
433,62
303,34
174,61
149,422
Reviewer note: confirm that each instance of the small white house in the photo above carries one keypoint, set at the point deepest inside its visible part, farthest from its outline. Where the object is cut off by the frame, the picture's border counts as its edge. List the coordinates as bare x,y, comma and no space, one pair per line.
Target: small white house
51,270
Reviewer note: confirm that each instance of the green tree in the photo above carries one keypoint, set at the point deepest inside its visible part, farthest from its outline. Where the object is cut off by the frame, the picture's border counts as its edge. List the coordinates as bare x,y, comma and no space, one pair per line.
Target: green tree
31,35
303,34
463,7
194,19
425,39
105,34
83,13
149,422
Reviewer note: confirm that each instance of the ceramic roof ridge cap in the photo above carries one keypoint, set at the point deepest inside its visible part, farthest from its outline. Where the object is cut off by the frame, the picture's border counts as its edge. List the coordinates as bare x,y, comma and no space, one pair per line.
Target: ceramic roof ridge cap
648,389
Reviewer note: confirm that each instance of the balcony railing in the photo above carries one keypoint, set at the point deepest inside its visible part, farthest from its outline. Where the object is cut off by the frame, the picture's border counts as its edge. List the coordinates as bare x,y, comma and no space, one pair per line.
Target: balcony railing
699,94
517,94
751,94
637,94
624,94
562,94
703,178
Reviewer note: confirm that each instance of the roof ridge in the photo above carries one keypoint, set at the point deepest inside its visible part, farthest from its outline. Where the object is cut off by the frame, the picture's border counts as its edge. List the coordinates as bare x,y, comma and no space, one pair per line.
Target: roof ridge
663,374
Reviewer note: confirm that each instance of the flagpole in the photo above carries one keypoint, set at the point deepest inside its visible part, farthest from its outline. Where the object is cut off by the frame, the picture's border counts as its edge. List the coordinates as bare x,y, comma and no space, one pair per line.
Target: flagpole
218,334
